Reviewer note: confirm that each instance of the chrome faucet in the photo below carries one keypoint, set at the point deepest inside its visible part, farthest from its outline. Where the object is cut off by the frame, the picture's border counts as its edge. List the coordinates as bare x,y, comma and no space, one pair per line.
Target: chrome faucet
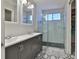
9,36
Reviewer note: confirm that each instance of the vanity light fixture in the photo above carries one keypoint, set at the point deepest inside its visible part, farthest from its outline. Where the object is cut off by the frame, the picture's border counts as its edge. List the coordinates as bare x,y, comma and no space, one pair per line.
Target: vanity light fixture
24,1
30,6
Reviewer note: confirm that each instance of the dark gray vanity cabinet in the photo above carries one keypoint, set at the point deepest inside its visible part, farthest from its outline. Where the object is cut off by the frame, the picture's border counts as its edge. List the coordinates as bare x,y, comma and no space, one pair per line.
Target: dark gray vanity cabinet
31,47
36,45
12,52
27,49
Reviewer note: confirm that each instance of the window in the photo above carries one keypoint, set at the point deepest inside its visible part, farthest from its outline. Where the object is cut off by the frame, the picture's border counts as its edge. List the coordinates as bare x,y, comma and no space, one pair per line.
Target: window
53,16
49,16
56,16
30,17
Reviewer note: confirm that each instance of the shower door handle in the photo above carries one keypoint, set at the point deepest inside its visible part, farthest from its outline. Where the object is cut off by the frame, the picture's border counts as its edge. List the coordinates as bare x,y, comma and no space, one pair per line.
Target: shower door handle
21,47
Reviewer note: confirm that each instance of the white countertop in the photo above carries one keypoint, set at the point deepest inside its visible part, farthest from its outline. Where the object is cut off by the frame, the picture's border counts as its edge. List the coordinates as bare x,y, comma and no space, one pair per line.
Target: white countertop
14,40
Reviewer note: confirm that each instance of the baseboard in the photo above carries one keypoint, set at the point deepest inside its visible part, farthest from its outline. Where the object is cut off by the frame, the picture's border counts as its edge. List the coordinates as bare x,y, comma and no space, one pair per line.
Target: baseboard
58,45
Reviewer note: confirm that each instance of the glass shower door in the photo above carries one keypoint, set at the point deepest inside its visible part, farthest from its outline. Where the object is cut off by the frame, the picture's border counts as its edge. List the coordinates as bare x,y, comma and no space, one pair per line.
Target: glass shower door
53,32
53,29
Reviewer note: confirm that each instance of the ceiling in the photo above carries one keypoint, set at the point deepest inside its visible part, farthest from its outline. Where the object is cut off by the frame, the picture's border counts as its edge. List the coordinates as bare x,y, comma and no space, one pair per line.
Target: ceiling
50,3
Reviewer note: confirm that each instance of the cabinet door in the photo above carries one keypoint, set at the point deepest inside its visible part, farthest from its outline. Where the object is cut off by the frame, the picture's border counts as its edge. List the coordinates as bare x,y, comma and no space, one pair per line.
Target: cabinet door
26,52
30,48
36,45
11,52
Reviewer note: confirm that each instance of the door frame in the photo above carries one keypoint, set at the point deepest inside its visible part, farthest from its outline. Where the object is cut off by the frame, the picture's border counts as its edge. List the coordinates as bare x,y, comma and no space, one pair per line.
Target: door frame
68,27
2,31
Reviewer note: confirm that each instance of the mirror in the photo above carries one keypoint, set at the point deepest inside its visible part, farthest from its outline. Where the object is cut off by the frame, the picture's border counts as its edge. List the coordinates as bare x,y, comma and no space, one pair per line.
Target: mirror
10,10
27,10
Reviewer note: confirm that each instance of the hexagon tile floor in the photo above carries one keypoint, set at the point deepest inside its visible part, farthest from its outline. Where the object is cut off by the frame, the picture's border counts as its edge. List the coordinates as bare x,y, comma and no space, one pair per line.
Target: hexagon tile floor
53,53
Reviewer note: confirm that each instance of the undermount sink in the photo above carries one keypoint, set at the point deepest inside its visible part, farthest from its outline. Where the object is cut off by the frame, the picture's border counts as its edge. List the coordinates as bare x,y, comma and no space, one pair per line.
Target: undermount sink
18,38
30,33
11,39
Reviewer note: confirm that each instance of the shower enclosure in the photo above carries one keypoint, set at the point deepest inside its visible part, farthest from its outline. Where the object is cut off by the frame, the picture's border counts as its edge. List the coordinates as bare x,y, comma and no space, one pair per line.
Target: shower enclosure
53,28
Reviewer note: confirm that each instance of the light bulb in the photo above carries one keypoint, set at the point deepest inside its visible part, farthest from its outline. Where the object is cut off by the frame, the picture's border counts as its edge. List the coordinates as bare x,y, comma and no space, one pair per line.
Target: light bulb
30,6
24,1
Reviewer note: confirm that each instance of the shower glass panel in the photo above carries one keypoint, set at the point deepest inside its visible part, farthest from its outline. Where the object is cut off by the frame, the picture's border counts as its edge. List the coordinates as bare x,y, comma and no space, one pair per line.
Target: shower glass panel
53,28
56,31
44,23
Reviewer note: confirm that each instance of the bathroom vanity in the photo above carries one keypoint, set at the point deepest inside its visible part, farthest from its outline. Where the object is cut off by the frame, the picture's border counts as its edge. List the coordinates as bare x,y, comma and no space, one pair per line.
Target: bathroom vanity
24,47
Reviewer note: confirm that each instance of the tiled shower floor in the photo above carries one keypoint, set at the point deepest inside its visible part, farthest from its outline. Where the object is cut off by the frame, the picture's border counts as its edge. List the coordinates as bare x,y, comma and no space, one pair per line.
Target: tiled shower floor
52,53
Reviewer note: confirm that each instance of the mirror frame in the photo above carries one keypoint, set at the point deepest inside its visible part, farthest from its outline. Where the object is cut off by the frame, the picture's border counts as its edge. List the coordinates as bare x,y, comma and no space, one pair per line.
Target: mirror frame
21,14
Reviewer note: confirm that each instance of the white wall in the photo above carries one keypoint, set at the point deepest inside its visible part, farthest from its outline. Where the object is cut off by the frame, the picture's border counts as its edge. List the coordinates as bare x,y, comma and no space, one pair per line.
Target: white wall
39,17
68,27
11,5
17,29
2,30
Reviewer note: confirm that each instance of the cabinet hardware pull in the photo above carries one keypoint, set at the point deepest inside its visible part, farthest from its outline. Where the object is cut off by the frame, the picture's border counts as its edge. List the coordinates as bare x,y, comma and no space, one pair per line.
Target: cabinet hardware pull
39,38
21,47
